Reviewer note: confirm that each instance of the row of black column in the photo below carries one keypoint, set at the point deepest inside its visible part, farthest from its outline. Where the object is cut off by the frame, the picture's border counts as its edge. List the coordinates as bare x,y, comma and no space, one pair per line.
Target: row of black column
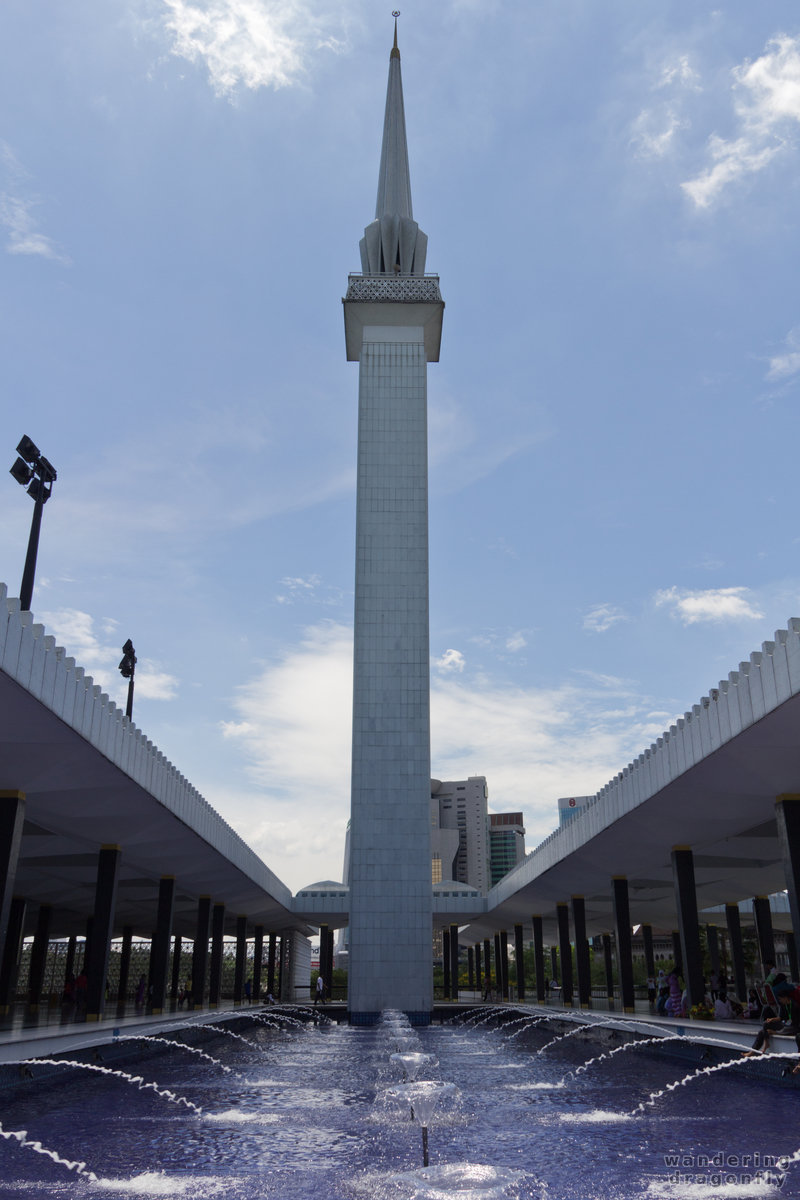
687,948
100,931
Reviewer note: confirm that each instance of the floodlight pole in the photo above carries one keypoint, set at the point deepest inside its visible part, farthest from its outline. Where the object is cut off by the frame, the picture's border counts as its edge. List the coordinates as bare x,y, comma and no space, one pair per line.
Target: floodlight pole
26,589
127,669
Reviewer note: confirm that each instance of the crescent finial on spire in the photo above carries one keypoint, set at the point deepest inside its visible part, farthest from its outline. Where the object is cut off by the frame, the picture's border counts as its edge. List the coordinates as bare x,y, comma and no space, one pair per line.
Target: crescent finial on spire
395,51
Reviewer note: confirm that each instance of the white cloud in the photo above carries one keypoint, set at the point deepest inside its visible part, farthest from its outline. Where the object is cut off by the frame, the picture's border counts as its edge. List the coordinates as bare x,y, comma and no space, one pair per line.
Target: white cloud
766,105
293,725
679,72
654,132
602,617
309,589
17,212
713,604
450,661
516,641
252,43
788,363
75,630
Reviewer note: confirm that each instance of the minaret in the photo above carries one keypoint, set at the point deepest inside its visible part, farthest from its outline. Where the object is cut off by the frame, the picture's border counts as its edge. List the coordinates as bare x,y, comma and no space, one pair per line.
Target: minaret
393,325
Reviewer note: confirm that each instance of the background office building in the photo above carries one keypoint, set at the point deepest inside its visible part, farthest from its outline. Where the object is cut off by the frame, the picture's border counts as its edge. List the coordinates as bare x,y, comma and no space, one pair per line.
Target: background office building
460,831
506,843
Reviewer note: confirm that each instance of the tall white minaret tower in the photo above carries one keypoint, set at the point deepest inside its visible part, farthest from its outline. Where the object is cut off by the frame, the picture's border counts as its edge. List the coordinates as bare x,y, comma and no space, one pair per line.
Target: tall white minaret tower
393,324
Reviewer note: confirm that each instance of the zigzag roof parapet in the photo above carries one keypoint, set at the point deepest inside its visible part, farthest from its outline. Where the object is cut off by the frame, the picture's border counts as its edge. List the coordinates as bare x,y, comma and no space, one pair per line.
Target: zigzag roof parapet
757,688
31,657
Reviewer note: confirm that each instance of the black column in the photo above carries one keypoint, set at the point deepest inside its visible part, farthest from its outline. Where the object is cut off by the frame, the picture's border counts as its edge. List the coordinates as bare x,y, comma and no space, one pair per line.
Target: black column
41,939
538,958
582,952
323,957
519,960
713,949
69,965
470,969
12,819
498,968
686,904
608,962
105,907
215,974
282,965
504,961
737,950
446,963
677,952
9,962
271,966
791,950
175,979
159,959
565,950
763,919
453,962
787,812
478,970
241,959
554,971
329,958
200,952
622,930
649,957
487,962
124,965
258,955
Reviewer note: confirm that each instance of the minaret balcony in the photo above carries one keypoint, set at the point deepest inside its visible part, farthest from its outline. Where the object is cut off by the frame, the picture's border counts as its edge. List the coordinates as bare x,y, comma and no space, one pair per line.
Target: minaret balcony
396,289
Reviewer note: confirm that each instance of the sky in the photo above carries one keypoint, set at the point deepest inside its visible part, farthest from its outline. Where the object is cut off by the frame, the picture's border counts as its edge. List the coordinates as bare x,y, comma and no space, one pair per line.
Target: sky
612,201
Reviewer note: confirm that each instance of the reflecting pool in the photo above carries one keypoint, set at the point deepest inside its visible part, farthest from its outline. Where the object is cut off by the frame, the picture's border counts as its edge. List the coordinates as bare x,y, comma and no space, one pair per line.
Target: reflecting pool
307,1110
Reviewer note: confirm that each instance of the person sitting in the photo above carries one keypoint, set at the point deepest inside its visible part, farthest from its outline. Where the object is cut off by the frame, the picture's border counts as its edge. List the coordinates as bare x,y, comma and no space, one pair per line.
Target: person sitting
722,1008
674,1005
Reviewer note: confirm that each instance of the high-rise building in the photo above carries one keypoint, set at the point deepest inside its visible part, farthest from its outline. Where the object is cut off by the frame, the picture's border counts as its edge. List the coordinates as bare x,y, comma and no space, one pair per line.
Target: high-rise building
393,320
506,842
460,831
571,806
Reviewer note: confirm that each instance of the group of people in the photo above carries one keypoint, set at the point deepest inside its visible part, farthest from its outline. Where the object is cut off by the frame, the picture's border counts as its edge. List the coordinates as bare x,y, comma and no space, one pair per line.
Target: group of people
669,998
786,1020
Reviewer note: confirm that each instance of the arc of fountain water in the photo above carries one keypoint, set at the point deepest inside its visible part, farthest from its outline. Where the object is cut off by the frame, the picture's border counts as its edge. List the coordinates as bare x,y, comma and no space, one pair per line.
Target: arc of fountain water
702,1071
136,1080
581,1027
21,1136
229,1033
143,1037
528,1025
266,1021
492,1012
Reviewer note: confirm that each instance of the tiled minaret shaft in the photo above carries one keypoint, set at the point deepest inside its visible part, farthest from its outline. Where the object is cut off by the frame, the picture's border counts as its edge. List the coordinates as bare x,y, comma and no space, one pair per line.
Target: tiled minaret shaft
393,317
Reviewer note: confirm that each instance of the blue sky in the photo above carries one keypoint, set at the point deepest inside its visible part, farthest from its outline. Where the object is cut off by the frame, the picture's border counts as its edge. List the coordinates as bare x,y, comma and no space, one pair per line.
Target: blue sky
611,196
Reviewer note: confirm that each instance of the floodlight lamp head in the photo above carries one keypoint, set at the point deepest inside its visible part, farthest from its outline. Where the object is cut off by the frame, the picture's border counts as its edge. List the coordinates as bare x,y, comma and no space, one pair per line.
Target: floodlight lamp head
128,663
47,470
38,490
22,472
28,449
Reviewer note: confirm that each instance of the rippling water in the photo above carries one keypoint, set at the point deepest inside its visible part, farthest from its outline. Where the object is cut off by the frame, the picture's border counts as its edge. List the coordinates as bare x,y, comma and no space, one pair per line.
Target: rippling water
301,1121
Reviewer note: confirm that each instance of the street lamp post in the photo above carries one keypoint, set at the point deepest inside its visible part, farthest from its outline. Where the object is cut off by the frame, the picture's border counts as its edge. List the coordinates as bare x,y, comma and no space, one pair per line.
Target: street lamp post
127,669
34,472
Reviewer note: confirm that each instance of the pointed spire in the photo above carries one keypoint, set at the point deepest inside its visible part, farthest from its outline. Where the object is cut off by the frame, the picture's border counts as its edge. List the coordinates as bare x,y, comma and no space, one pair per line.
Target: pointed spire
393,244
394,181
